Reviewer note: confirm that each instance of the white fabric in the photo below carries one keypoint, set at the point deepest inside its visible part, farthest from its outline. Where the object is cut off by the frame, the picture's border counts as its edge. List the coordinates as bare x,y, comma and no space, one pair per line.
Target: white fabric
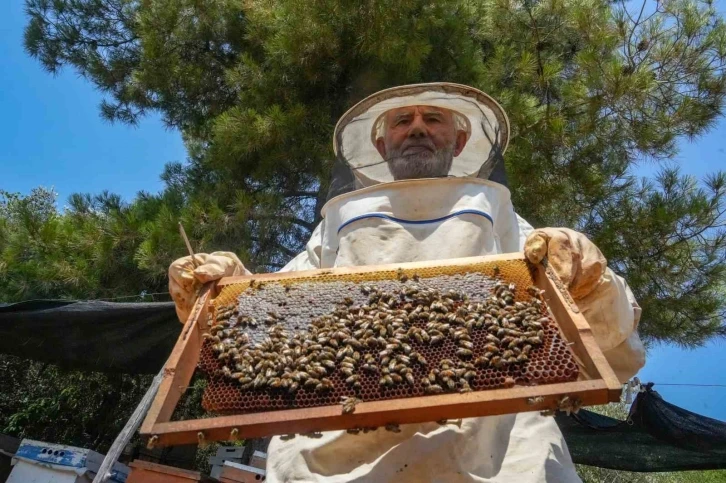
397,222
354,138
512,448
515,448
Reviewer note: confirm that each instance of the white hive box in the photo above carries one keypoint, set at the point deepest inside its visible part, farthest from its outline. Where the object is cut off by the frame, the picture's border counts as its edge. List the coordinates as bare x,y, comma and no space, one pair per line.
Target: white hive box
40,462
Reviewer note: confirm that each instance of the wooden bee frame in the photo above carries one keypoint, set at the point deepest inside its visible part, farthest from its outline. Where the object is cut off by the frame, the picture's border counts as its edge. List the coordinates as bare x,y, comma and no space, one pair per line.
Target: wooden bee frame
597,384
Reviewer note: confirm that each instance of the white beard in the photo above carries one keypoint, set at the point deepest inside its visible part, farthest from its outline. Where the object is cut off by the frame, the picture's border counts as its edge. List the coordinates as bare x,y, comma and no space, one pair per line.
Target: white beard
424,164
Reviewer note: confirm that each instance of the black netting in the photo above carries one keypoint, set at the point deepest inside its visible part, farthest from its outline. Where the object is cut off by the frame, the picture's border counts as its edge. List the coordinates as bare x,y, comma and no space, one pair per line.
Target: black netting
134,338
657,436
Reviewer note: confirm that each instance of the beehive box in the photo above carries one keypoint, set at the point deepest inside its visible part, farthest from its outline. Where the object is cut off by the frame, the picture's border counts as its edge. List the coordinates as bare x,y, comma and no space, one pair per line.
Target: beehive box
290,312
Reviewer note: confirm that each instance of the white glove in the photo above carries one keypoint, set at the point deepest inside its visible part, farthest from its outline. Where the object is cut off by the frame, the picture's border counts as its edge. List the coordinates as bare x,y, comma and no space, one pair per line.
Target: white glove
185,280
602,296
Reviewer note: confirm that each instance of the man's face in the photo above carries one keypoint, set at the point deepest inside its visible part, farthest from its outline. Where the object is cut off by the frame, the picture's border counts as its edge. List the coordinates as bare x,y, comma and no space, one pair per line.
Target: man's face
420,142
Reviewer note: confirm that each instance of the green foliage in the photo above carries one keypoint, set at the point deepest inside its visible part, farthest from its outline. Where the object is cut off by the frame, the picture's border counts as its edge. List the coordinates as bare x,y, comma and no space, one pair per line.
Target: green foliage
43,402
255,87
87,251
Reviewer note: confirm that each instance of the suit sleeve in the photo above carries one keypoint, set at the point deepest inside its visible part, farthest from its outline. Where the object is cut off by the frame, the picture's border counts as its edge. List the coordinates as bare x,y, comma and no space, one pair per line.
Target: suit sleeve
612,312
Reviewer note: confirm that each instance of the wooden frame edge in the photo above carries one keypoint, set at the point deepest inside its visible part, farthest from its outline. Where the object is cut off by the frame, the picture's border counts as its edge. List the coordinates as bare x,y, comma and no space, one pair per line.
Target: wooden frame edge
370,268
368,414
179,367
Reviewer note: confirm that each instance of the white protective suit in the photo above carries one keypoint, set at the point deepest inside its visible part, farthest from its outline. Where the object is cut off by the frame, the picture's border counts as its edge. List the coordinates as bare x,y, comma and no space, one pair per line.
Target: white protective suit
418,220
432,219
463,215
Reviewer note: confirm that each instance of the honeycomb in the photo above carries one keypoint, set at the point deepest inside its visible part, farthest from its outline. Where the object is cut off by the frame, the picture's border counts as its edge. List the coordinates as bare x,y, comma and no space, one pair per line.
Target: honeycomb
307,297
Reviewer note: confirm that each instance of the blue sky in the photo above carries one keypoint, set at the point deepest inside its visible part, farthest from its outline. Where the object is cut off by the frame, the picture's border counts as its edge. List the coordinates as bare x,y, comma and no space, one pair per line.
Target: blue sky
51,134
76,150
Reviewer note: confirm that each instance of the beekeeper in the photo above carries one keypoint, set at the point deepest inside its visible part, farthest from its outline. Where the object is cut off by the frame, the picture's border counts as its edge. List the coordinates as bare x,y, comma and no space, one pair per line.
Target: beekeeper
420,176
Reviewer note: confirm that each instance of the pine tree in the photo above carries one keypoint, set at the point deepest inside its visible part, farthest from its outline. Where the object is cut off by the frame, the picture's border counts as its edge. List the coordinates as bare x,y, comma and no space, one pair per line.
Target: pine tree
255,87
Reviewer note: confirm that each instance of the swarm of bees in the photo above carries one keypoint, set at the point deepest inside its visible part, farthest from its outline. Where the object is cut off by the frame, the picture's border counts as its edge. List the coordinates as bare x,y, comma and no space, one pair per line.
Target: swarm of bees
383,334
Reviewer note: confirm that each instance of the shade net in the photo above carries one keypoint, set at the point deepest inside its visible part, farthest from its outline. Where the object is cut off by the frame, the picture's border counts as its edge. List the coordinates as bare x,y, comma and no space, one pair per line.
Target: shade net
657,436
138,337
134,338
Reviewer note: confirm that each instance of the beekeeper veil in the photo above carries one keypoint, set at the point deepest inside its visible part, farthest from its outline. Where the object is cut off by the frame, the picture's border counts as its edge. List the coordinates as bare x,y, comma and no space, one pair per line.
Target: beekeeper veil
359,164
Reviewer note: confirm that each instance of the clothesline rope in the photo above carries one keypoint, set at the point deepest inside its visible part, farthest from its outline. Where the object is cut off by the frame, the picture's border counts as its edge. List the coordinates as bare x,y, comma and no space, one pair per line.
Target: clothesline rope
141,295
684,384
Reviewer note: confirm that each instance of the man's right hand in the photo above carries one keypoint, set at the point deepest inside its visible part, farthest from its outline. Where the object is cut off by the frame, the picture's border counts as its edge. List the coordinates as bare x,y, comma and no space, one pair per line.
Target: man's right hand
185,280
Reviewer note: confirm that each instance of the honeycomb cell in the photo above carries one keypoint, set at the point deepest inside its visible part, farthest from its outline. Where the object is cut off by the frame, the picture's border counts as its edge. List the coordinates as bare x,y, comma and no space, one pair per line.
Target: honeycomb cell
294,303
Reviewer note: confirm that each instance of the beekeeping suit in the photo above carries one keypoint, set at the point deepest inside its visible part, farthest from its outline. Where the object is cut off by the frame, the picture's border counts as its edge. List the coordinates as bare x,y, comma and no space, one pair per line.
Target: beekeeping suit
375,220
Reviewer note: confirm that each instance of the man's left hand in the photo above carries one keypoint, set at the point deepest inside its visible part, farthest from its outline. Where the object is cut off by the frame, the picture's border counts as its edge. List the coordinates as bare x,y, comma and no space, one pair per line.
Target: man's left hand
575,259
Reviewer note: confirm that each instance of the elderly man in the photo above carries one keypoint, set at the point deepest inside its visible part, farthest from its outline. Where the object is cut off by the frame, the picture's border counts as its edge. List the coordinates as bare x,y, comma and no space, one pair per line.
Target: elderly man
419,177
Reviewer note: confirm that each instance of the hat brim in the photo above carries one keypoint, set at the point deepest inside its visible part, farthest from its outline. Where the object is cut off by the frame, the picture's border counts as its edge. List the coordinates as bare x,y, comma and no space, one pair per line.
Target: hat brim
353,143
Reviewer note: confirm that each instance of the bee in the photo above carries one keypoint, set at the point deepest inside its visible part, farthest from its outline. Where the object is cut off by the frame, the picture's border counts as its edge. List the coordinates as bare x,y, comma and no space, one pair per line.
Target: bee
436,339
393,428
418,358
402,277
352,379
514,343
433,389
311,382
534,340
464,387
325,385
259,381
463,352
481,361
386,381
466,344
369,367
